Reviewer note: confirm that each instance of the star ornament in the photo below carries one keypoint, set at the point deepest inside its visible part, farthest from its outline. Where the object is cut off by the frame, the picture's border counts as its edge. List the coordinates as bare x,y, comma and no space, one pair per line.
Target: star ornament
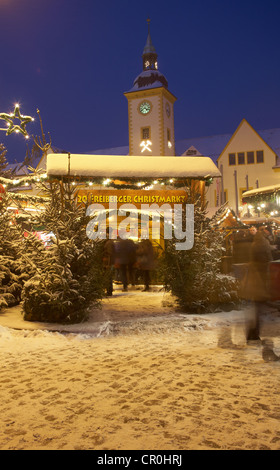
12,126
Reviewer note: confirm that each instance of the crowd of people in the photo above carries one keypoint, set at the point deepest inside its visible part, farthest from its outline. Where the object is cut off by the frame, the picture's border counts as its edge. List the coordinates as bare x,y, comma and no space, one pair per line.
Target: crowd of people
125,260
242,242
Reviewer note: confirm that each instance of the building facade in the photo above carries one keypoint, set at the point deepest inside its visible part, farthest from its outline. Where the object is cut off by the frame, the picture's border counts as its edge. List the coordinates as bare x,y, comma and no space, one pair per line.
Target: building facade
247,162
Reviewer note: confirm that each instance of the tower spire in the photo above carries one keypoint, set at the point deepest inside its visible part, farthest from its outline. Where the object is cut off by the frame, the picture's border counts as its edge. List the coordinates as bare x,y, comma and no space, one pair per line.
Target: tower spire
149,55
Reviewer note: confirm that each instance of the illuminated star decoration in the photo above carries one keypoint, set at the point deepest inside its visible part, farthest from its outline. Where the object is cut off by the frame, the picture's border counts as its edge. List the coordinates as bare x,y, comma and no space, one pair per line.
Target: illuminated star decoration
12,127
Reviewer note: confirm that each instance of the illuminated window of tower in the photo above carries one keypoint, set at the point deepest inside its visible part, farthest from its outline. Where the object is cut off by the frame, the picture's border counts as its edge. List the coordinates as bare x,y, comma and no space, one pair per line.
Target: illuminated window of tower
169,143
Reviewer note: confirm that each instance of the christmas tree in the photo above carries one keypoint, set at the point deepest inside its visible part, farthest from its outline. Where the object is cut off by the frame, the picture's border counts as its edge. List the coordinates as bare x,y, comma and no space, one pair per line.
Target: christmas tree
194,276
4,172
67,275
12,271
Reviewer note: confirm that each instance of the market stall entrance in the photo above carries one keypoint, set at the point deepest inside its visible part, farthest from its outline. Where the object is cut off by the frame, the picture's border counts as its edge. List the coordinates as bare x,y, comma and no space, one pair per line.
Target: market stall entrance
117,204
118,181
137,180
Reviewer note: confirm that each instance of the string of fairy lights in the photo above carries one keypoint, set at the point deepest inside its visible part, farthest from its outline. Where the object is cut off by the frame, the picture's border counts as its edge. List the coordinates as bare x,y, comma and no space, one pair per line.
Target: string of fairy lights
266,203
150,183
12,120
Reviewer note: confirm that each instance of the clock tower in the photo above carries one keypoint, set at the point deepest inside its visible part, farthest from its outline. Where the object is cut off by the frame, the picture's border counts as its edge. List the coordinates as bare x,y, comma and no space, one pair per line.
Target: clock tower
150,109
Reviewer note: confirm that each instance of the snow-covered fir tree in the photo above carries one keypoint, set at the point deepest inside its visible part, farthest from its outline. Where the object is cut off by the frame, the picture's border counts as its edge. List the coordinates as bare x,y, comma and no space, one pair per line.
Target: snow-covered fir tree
194,276
12,270
4,171
67,276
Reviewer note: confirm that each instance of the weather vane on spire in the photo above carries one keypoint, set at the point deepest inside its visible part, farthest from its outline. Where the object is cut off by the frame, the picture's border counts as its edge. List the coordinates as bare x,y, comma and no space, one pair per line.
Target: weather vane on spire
14,127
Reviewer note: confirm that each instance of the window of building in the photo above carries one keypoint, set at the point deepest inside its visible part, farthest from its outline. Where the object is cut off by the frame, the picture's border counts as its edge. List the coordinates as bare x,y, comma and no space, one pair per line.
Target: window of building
191,152
169,143
145,133
241,158
232,159
250,158
260,157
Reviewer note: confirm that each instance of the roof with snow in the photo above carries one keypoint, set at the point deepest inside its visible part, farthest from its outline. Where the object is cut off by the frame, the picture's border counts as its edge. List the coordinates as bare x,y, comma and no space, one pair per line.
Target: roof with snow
108,166
18,169
264,189
149,79
211,146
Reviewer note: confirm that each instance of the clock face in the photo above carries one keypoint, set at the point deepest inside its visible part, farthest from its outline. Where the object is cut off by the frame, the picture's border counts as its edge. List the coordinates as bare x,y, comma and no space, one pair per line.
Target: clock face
167,108
145,107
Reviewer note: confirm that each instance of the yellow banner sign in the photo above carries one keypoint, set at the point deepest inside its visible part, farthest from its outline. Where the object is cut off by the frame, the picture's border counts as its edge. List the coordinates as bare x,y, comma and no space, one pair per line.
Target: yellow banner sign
129,196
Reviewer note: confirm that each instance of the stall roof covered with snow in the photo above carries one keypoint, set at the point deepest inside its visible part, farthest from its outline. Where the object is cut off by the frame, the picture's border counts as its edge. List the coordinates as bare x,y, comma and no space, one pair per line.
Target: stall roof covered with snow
264,190
115,166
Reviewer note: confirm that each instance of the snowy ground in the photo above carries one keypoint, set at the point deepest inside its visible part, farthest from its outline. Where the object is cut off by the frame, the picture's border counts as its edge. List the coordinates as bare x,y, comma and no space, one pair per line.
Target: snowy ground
140,376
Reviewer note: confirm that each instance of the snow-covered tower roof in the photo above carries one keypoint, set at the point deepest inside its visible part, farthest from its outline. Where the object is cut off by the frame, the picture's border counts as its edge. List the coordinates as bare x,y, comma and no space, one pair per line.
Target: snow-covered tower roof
150,77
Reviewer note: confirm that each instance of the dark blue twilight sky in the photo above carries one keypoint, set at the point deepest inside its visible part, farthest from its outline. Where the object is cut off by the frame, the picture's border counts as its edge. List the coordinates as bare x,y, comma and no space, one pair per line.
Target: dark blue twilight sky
73,59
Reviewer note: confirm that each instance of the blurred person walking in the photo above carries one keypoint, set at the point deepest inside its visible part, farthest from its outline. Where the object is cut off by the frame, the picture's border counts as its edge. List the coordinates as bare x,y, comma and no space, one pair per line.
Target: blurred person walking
125,260
258,279
256,288
146,261
261,257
